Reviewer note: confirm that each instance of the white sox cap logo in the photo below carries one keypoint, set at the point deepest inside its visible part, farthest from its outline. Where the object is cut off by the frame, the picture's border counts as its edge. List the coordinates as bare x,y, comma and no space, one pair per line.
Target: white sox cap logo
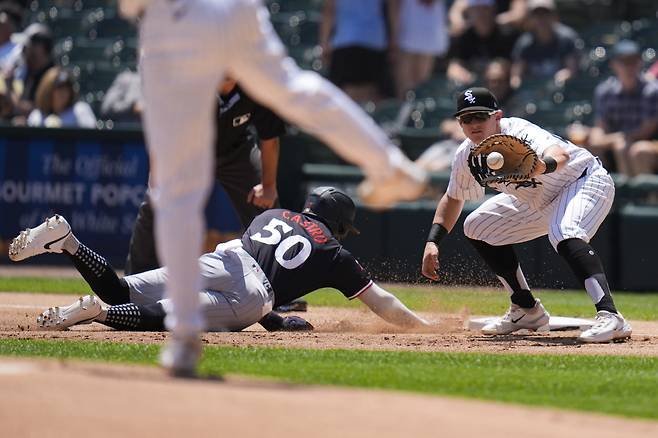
468,95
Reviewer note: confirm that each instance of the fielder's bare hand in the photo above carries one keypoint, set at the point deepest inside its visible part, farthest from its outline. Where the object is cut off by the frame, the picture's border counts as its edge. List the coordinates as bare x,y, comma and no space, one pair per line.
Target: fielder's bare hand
263,196
431,261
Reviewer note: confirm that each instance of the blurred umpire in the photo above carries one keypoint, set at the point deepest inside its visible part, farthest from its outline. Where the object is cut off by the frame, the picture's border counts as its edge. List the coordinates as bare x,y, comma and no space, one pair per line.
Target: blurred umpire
246,172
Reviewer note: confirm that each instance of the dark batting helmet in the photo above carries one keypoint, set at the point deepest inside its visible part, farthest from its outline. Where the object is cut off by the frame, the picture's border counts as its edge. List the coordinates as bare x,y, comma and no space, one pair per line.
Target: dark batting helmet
334,208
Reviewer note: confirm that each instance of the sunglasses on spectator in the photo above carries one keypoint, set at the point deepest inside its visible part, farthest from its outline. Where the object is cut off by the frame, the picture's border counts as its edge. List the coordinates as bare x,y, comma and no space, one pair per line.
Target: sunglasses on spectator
481,116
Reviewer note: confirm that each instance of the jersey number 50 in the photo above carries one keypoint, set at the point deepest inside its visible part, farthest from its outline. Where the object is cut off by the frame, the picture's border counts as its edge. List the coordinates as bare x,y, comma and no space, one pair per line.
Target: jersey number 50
274,238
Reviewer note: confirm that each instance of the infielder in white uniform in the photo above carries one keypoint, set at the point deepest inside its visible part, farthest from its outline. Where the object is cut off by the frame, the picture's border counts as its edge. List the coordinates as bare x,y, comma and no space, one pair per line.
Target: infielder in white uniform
567,198
187,47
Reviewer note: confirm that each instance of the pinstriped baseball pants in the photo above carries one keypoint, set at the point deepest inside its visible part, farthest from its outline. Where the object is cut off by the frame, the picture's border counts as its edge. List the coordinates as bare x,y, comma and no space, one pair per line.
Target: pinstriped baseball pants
577,212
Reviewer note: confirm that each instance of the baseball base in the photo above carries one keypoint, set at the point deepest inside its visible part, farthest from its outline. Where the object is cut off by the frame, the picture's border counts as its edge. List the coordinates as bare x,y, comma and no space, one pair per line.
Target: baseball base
555,323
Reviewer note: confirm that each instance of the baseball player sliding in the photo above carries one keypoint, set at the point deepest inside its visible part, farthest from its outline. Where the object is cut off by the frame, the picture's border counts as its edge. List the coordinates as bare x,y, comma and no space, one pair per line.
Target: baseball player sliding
567,196
282,256
187,47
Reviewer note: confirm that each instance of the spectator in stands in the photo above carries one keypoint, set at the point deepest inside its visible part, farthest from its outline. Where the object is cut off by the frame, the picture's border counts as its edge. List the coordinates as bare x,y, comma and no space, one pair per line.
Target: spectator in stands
10,22
549,49
6,103
644,157
423,36
123,101
57,103
626,108
37,59
652,72
509,13
482,41
497,78
353,37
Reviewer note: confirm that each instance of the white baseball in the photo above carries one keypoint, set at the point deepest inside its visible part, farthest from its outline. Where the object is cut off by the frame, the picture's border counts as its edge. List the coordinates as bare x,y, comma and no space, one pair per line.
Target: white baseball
495,160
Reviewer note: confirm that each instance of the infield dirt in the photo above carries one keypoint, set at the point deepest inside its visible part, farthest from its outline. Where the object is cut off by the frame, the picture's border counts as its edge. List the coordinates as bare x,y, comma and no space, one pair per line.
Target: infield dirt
335,328
69,398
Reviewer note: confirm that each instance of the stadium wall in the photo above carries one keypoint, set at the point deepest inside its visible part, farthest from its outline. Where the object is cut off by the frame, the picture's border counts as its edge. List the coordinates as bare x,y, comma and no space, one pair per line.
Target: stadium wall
97,178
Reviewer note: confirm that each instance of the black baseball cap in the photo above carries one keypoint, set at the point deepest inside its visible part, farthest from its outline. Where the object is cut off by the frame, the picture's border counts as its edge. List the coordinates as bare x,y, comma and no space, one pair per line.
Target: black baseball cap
476,99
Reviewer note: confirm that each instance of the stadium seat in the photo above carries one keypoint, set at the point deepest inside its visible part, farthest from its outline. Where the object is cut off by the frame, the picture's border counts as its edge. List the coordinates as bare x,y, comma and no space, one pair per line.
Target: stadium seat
82,50
643,190
111,27
415,141
438,87
276,6
390,114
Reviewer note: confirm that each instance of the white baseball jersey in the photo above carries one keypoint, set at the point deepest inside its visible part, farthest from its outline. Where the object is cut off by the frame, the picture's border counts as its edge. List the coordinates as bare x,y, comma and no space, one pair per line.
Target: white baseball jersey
569,203
545,187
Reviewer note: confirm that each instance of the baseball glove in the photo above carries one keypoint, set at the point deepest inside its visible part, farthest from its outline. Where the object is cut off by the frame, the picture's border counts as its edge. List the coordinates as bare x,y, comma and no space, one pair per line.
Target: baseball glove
520,160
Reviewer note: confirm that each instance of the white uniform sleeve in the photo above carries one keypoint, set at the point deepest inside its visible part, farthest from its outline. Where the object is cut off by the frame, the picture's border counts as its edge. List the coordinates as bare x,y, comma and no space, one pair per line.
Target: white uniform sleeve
462,185
539,138
303,97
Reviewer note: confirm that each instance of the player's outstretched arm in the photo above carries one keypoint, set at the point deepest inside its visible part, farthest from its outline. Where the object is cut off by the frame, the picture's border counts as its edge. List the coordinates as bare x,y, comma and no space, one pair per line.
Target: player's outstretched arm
388,307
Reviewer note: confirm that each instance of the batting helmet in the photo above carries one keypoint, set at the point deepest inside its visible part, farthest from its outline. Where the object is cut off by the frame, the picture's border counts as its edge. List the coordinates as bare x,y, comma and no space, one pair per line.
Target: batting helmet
334,208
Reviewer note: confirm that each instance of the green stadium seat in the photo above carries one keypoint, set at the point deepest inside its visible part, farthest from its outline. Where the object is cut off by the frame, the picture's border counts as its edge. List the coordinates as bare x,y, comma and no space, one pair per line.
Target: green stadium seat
605,33
96,78
580,87
643,190
82,50
415,141
277,6
439,88
111,28
390,114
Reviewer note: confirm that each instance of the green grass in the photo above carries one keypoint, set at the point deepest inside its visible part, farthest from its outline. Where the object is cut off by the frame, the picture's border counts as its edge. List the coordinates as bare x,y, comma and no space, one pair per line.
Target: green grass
615,385
44,285
479,301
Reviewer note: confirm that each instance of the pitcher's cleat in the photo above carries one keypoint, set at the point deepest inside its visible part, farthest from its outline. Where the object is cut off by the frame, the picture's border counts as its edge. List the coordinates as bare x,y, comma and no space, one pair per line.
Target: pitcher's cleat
518,318
83,311
47,237
406,183
608,327
180,356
